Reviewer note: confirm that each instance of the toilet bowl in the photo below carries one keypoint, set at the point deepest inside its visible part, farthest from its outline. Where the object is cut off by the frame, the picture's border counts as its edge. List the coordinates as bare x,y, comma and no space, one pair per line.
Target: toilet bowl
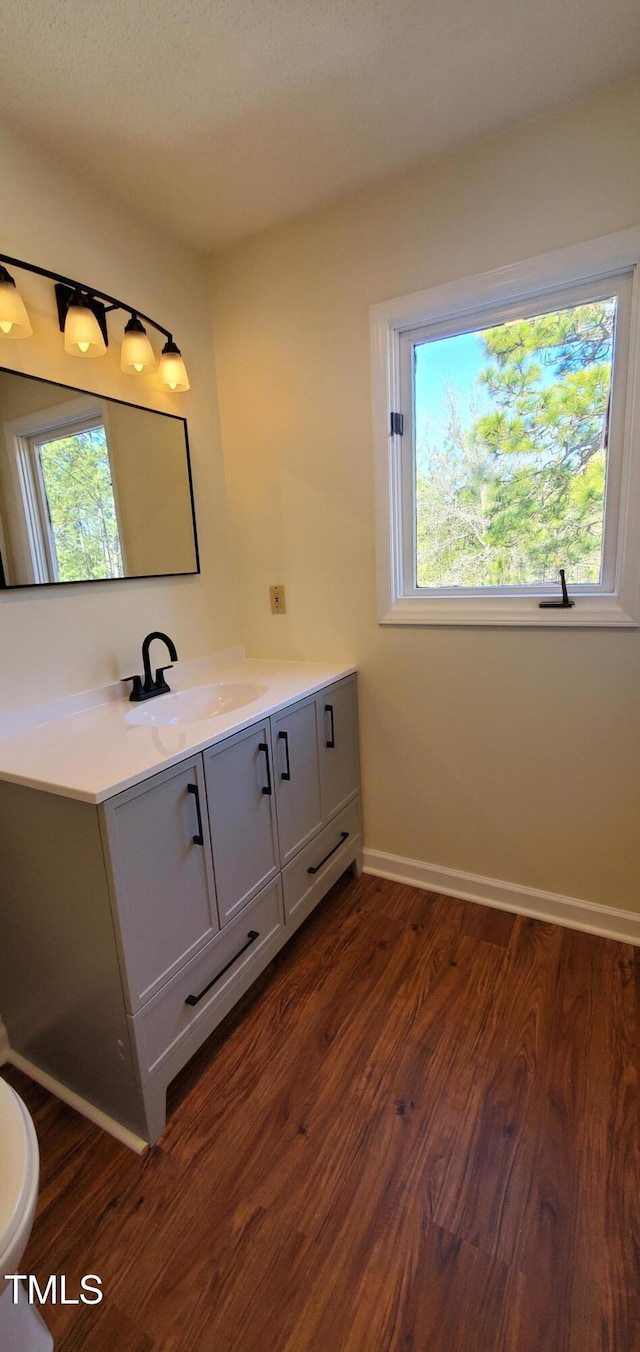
21,1327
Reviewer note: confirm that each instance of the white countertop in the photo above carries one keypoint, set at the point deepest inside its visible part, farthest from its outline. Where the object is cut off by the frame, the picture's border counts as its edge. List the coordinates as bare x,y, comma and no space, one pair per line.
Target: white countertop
82,747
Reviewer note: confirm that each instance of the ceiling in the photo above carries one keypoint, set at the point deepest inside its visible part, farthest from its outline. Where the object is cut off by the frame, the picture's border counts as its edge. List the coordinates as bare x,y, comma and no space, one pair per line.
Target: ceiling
220,118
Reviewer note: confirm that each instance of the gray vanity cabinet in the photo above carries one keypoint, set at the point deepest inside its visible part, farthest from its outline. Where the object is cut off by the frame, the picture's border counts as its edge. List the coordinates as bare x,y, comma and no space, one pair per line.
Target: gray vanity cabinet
139,922
159,858
338,745
297,777
239,778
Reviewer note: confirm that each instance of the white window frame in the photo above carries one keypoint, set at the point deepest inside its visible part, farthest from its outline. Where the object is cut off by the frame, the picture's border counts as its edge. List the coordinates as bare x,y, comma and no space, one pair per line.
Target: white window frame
31,526
44,546
465,305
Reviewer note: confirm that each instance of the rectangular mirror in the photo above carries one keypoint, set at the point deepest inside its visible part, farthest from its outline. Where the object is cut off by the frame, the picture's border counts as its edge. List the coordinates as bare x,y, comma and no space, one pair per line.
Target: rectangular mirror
90,488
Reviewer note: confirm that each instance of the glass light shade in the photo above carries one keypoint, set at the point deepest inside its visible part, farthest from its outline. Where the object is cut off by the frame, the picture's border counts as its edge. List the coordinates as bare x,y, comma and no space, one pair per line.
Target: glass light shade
14,320
172,370
82,333
137,354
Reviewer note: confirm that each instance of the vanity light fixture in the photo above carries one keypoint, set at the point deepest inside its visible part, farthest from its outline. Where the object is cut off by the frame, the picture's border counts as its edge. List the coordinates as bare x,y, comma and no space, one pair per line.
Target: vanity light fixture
136,353
82,316
14,320
83,336
172,371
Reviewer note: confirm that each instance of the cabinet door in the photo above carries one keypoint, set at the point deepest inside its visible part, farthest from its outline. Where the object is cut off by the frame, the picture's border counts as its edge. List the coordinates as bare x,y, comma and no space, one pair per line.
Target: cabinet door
338,736
297,776
239,777
159,853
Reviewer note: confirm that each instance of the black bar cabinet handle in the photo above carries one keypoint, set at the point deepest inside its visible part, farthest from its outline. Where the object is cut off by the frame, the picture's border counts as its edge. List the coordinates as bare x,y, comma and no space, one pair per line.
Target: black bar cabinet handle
199,839
251,938
284,737
344,835
328,708
266,788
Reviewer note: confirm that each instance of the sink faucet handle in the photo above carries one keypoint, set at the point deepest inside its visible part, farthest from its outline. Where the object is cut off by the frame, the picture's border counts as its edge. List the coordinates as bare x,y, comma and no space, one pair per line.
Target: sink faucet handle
136,690
161,684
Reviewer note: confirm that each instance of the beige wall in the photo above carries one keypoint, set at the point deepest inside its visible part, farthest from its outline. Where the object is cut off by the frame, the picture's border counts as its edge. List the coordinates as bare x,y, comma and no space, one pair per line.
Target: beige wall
19,398
150,470
512,754
86,635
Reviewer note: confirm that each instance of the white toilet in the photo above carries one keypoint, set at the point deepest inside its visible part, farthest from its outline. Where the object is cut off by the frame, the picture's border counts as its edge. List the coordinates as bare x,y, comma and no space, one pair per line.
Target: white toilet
21,1327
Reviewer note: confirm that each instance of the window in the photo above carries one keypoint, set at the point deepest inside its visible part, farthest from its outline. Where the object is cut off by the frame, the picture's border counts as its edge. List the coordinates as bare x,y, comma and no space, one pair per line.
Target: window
513,454
70,480
59,490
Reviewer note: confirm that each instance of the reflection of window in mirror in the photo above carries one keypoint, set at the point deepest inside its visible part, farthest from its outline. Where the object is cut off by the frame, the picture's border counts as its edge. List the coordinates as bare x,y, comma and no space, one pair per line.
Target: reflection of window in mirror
71,479
64,522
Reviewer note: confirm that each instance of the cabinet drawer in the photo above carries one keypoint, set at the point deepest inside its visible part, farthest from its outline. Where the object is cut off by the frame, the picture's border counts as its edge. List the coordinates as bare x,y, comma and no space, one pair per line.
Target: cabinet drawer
306,880
213,982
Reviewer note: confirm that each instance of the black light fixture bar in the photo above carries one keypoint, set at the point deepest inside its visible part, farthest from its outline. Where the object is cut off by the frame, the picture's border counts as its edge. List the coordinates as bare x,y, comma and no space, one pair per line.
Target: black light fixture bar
90,293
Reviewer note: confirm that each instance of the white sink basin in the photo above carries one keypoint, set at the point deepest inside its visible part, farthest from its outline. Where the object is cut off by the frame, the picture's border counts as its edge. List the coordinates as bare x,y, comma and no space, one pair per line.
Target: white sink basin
192,706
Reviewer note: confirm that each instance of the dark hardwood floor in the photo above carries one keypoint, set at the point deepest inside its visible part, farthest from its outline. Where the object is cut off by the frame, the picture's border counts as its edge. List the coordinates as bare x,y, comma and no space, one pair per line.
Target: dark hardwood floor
418,1132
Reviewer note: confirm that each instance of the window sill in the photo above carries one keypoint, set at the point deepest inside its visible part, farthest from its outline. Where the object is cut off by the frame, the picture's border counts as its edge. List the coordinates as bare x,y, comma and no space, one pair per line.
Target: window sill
588,612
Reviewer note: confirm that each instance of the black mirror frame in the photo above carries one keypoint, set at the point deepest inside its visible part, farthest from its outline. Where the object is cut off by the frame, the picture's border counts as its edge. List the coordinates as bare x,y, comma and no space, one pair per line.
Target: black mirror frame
132,577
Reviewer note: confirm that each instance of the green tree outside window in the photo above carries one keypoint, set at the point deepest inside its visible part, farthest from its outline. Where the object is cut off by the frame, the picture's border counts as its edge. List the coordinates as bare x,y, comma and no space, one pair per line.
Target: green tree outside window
511,485
79,497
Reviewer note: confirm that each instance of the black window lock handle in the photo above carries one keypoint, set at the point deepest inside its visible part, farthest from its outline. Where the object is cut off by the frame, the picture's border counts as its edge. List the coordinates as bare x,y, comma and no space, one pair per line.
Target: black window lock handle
564,604
328,708
199,839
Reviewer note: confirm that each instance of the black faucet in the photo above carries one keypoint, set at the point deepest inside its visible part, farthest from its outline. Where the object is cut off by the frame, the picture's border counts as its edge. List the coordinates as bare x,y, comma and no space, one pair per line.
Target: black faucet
147,687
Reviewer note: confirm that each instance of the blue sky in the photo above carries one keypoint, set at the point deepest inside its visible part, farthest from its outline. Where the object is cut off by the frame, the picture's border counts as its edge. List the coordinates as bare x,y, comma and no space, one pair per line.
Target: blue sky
455,361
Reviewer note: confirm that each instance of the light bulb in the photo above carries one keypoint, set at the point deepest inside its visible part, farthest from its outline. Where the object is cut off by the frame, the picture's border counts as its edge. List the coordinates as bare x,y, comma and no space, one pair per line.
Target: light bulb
82,332
172,370
14,320
137,353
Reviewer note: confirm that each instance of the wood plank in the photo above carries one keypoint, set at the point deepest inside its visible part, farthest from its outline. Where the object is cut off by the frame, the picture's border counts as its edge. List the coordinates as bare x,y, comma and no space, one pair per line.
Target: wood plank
489,924
418,1131
424,1289
583,1233
487,1185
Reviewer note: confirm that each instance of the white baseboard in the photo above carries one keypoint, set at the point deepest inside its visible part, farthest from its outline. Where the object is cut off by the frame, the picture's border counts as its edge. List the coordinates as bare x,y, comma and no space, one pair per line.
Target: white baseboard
80,1105
549,906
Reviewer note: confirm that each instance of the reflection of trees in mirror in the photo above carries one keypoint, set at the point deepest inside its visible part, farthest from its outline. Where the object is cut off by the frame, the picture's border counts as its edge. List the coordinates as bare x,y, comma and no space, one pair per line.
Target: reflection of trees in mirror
511,468
76,475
